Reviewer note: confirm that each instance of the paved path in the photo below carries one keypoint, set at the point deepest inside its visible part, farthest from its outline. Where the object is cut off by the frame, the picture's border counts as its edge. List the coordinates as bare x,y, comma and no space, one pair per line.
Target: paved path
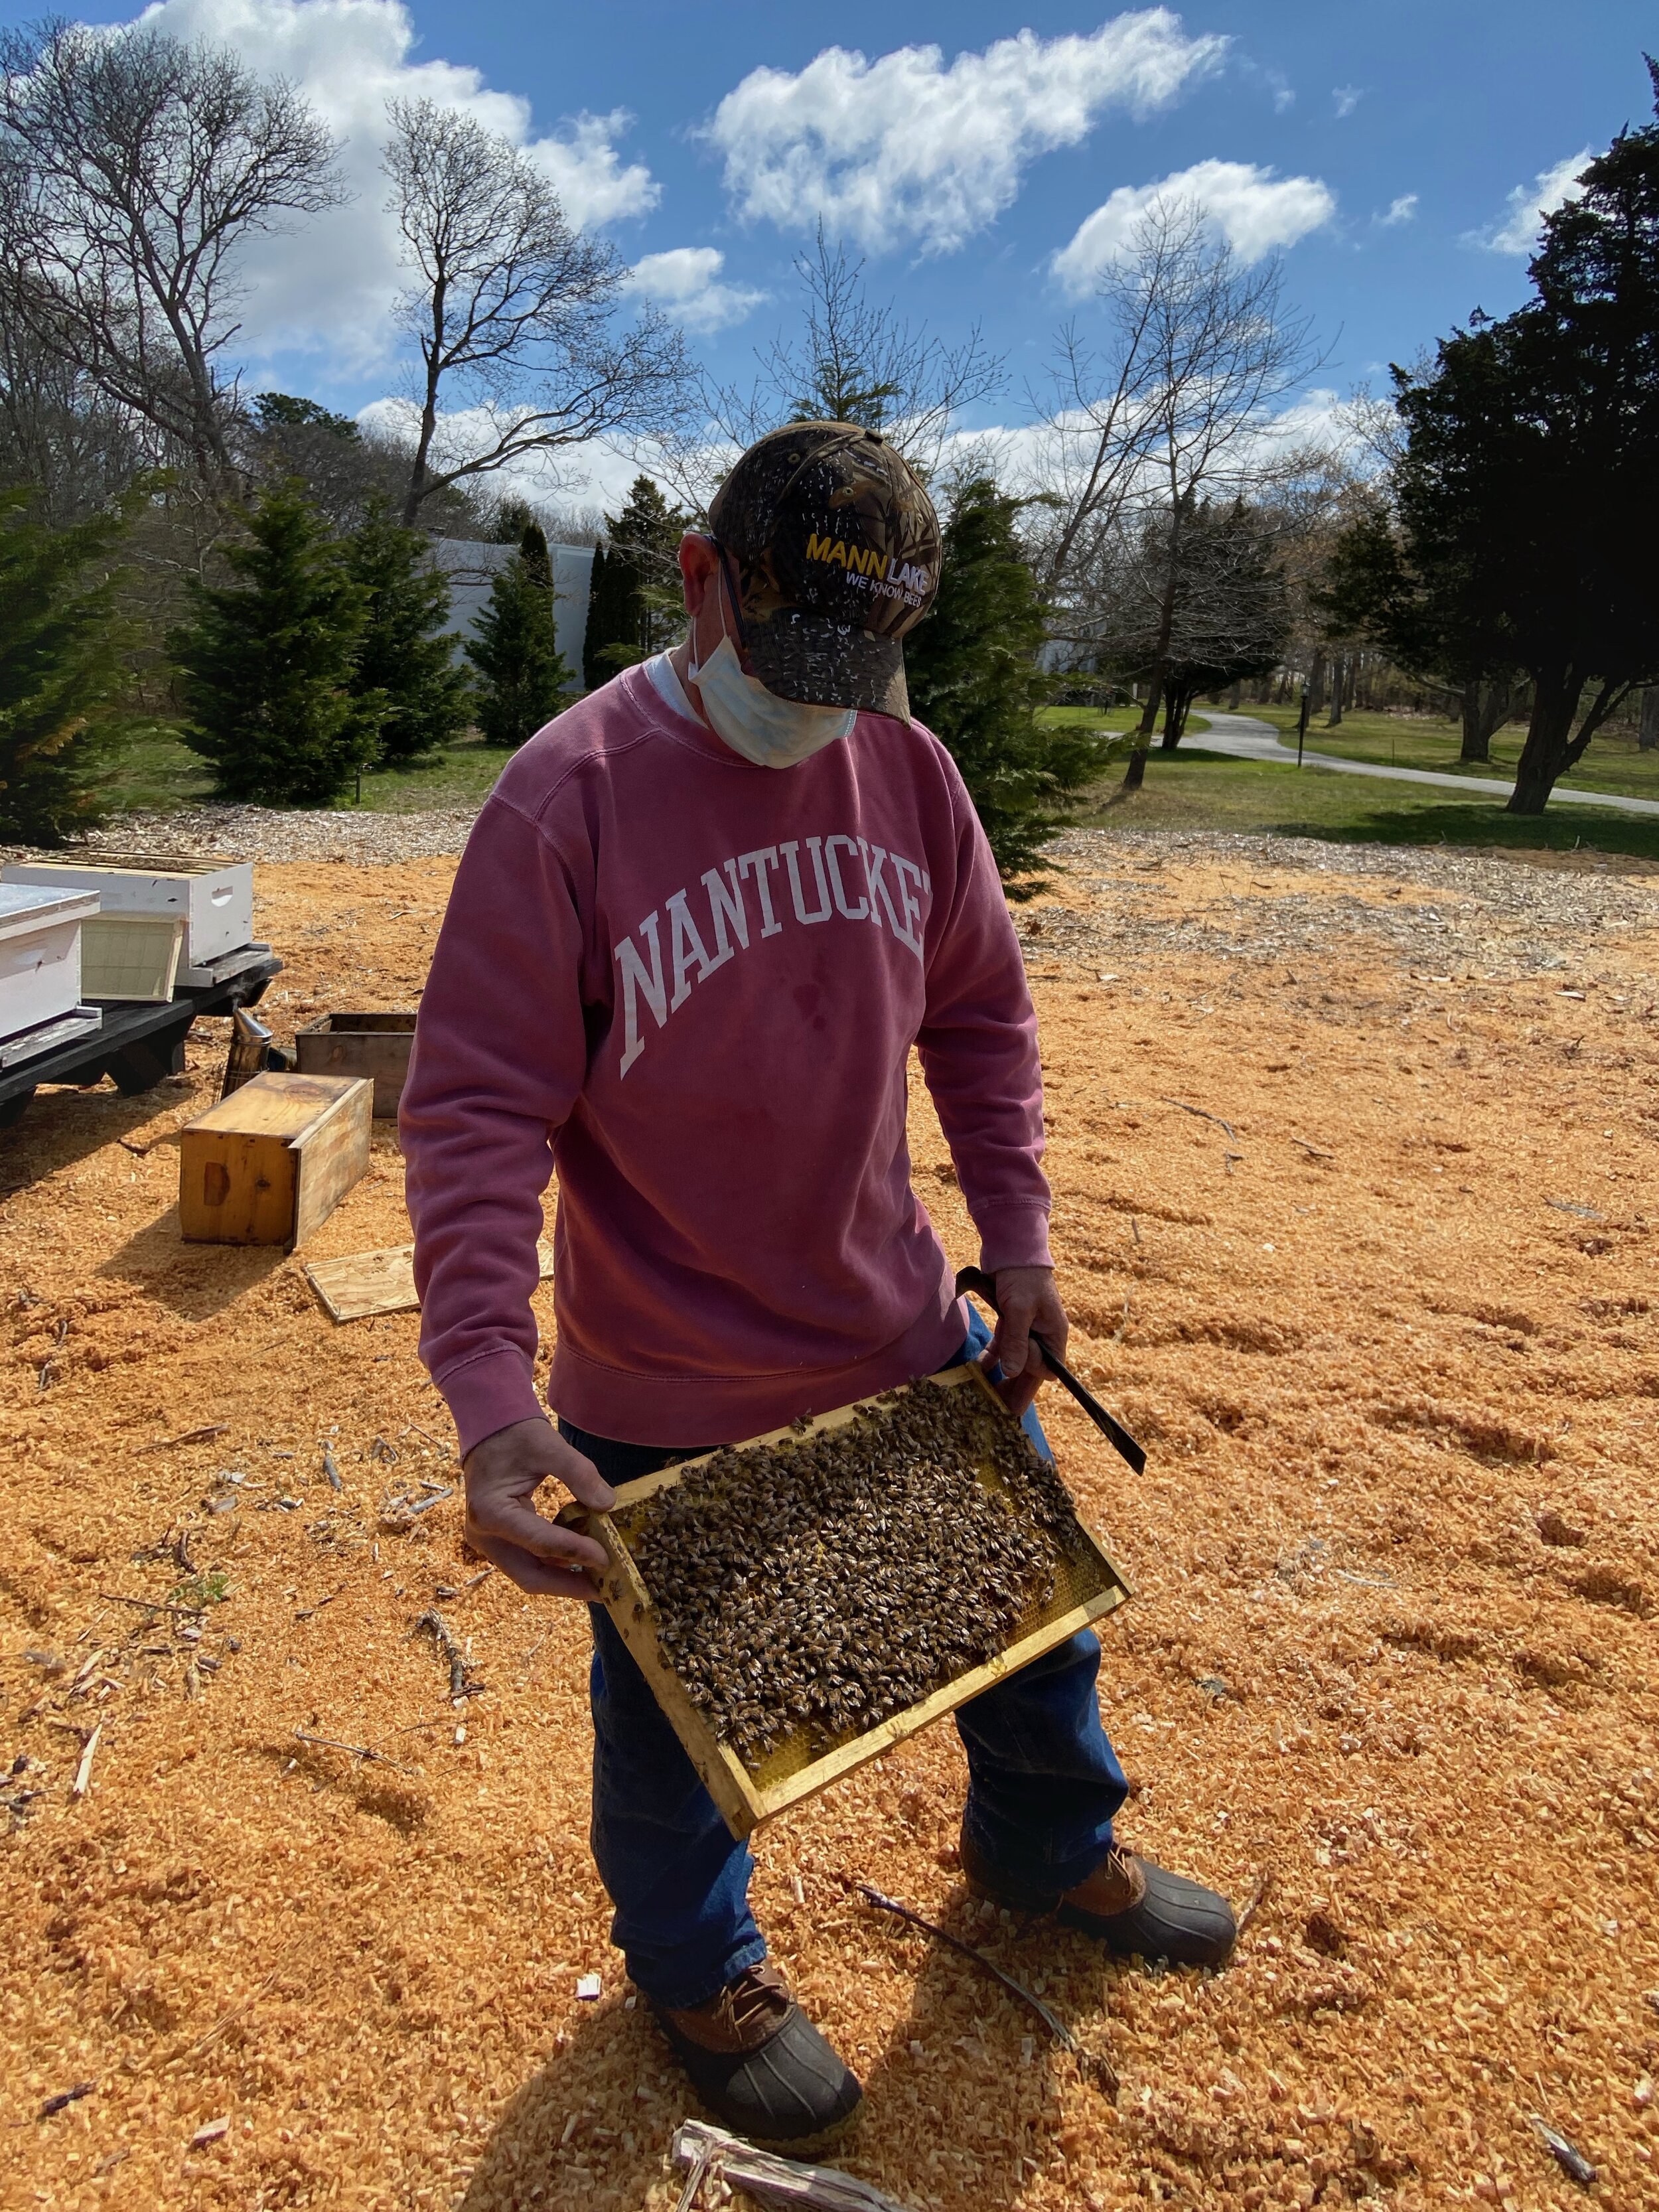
1246,737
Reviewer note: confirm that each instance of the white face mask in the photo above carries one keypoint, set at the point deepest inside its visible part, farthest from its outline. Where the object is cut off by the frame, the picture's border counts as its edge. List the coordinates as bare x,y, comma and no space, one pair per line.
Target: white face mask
773,732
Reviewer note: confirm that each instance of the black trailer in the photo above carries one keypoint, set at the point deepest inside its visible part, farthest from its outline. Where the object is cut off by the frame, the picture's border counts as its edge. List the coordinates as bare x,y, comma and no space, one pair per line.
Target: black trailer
136,1045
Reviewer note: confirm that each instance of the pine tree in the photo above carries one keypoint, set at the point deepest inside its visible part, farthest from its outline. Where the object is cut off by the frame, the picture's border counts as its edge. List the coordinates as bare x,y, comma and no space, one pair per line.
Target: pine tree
522,675
403,653
1532,448
532,550
973,678
61,678
634,603
266,665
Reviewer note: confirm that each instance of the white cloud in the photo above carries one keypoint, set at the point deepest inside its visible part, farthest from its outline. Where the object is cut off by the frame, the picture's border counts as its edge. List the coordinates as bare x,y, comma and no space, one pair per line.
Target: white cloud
908,150
586,170
1347,98
685,282
1024,456
1528,205
331,285
1253,209
1404,209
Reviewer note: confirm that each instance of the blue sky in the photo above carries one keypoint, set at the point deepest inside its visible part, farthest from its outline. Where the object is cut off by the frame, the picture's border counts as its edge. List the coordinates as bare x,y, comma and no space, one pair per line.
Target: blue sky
1390,152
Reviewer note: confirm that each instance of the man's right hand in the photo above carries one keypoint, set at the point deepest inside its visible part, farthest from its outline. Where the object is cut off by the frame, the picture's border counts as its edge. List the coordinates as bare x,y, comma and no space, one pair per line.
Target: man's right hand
503,1474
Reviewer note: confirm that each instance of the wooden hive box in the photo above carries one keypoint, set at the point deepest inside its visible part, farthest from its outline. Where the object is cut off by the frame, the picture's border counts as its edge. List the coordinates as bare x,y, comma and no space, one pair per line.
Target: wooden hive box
376,1046
1086,1587
267,1164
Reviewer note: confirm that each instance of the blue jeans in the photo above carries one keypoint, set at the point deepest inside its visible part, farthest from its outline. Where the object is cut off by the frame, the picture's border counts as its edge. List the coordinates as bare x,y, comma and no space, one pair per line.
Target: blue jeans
1043,1785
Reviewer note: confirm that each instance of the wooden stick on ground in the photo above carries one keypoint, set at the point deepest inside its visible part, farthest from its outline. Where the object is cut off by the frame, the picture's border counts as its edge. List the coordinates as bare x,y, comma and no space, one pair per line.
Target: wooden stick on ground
1258,1897
153,1604
190,1437
1092,2062
1201,1114
83,1781
226,2019
443,1636
357,1750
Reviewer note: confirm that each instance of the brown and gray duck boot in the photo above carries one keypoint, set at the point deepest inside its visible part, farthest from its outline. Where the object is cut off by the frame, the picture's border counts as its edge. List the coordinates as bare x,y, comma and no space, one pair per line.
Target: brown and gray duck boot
759,2065
1134,1907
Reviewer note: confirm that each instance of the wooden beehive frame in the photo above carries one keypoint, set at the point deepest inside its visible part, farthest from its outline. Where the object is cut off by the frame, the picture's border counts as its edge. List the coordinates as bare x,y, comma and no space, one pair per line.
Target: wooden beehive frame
743,1804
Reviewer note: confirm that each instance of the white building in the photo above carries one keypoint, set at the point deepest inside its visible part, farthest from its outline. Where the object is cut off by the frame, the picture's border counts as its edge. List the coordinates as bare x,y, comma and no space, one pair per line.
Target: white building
471,564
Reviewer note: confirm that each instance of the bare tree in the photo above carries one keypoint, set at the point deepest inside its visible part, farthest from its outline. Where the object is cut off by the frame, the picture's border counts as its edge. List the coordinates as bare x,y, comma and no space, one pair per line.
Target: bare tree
1230,617
134,170
59,434
1099,415
851,359
513,310
1174,412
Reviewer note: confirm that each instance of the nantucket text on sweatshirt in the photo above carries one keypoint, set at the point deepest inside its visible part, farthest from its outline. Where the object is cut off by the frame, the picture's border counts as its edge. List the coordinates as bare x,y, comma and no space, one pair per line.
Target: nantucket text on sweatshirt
690,959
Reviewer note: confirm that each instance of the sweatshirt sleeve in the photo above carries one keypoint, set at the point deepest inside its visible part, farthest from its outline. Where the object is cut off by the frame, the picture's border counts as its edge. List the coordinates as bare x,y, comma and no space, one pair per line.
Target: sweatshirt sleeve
499,1059
979,1053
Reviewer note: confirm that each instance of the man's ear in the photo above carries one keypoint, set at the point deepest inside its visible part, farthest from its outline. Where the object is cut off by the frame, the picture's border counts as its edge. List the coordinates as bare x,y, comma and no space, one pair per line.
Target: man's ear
699,566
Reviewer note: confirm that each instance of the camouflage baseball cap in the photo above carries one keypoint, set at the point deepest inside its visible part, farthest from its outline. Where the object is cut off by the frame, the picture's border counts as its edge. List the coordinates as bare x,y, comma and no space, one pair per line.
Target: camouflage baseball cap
835,545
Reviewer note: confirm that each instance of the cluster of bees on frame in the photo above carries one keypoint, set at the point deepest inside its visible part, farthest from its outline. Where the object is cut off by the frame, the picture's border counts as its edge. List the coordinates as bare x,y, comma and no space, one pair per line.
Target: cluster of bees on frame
824,1586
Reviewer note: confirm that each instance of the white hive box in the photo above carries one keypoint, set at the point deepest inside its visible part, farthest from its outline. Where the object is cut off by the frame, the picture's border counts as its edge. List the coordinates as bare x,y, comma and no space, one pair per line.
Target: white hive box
40,952
213,899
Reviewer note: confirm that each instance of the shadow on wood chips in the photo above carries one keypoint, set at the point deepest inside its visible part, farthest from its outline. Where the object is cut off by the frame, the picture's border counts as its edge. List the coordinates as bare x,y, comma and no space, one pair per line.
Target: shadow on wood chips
194,1281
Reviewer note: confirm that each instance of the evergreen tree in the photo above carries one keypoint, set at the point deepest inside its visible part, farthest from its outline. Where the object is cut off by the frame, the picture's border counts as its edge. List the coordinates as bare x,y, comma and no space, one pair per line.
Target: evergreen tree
1531,443
973,678
634,607
522,675
266,665
532,550
403,653
60,677
1438,629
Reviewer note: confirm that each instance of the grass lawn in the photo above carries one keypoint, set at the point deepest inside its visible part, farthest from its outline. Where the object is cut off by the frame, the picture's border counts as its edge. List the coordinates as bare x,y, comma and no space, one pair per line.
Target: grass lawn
1613,762
1193,789
162,773
1096,718
1188,789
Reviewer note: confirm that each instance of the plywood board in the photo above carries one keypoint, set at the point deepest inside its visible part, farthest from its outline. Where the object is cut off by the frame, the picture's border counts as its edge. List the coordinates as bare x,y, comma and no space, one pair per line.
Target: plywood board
381,1282
131,956
268,1163
1088,1586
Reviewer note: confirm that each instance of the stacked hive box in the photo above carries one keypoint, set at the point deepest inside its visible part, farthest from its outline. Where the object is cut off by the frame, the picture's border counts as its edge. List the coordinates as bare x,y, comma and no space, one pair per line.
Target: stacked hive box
40,928
130,952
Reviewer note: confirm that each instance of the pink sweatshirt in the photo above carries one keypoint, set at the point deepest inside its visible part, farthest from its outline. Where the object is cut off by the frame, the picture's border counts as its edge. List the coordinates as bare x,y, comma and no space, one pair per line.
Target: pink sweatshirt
690,987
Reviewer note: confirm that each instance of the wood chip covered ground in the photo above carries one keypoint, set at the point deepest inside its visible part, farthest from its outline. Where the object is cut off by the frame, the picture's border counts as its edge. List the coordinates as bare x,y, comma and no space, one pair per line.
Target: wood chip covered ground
1357,1164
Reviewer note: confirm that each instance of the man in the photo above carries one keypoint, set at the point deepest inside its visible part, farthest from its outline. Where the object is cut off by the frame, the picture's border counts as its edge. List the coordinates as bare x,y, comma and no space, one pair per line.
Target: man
696,930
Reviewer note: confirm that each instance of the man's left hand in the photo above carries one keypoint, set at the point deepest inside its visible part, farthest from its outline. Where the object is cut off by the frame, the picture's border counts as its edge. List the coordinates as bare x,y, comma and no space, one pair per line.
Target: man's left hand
1030,1303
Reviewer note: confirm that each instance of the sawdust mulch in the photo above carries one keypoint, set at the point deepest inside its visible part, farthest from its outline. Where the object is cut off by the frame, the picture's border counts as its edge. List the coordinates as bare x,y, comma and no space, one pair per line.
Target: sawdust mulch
1359,1230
